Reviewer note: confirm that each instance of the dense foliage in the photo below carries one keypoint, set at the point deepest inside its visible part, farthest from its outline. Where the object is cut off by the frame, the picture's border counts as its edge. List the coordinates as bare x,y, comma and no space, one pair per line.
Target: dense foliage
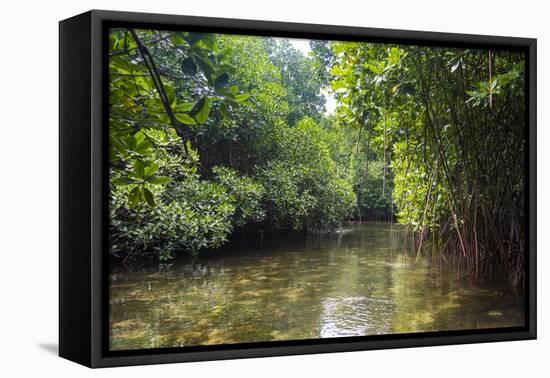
209,139
449,127
218,136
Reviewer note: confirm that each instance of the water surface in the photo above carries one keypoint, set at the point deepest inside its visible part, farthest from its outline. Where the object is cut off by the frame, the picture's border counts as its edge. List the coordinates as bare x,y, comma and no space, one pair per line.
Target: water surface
350,283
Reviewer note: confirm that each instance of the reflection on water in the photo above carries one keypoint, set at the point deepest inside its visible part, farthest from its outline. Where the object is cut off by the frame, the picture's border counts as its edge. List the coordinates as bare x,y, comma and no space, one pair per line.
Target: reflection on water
351,283
355,316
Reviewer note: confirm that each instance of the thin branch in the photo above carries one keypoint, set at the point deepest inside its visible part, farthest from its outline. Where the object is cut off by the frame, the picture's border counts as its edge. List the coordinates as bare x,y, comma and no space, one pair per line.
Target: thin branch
181,129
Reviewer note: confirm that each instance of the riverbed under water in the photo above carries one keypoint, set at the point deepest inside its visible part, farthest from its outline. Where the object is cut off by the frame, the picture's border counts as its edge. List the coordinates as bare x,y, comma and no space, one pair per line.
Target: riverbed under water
354,282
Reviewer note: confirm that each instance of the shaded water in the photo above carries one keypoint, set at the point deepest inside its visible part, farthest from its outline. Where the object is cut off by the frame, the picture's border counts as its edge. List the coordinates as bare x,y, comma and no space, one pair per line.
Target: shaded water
351,283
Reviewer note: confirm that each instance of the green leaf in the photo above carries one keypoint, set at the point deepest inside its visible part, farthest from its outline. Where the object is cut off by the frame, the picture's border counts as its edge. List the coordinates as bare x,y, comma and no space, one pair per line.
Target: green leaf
131,142
223,109
151,170
113,42
205,66
374,69
229,93
185,118
122,181
118,144
183,107
133,197
336,71
140,137
188,66
158,180
241,97
177,39
227,67
338,84
200,110
148,196
144,146
209,41
171,94
224,91
222,80
139,168
194,38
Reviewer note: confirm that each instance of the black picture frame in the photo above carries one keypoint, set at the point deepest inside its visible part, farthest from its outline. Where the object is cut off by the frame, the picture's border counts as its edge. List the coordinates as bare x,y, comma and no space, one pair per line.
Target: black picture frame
83,295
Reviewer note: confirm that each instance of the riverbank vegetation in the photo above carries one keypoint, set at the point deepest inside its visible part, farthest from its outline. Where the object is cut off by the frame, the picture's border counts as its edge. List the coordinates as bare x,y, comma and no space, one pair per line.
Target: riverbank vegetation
219,138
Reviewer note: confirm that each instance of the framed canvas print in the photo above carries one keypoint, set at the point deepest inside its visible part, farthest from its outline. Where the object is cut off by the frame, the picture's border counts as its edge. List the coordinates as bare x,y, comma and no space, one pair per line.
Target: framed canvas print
233,188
